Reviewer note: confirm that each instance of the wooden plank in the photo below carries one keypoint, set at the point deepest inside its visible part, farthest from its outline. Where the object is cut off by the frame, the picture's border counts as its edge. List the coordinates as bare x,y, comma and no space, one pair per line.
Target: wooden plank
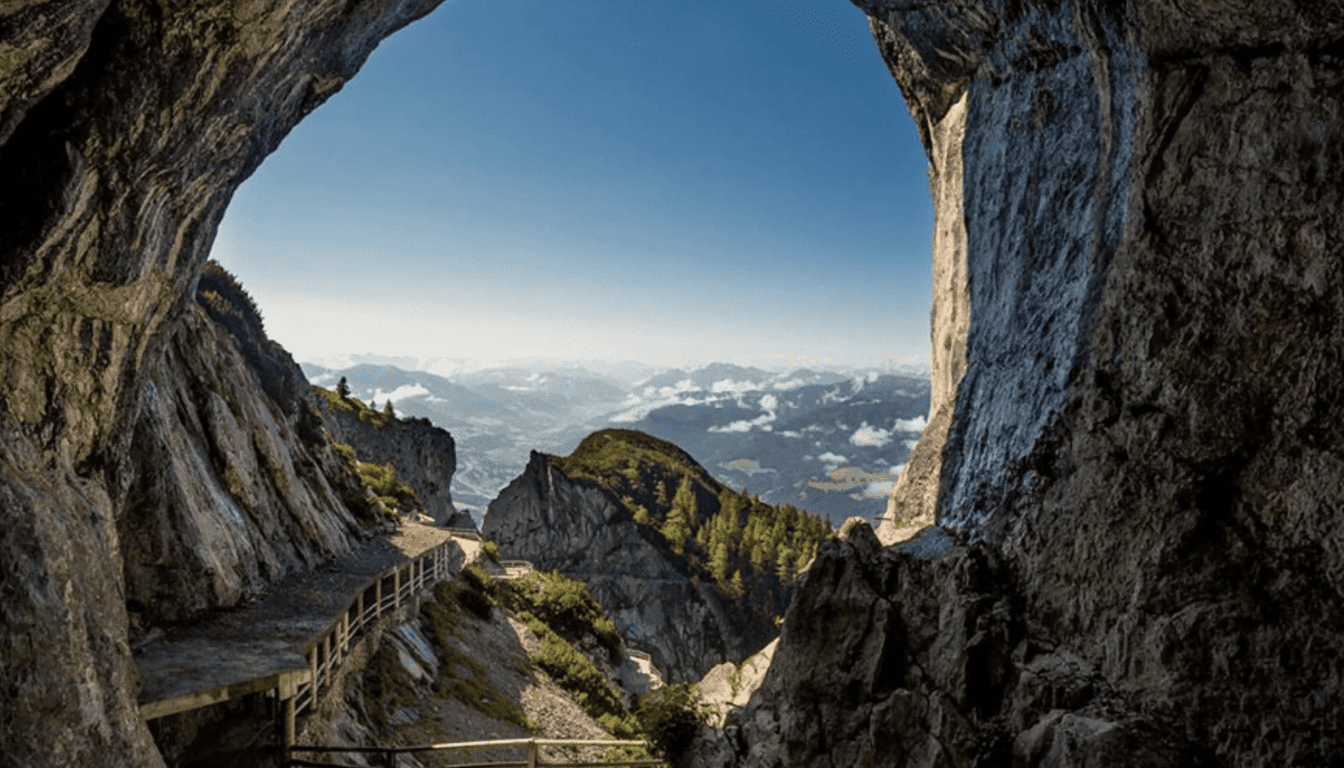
152,710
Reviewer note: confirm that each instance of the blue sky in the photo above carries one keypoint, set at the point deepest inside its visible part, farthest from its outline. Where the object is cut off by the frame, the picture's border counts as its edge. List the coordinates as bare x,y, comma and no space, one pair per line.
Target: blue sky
673,183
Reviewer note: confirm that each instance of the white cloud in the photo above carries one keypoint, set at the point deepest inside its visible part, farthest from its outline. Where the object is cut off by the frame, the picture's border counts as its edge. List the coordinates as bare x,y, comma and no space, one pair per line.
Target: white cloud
870,437
400,393
745,425
768,404
831,458
791,433
728,385
789,384
637,407
685,385
916,424
833,396
911,444
875,490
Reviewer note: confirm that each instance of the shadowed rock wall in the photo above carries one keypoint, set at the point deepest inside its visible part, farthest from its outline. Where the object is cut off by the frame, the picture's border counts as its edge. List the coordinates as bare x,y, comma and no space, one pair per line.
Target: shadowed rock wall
1138,334
581,529
423,455
125,126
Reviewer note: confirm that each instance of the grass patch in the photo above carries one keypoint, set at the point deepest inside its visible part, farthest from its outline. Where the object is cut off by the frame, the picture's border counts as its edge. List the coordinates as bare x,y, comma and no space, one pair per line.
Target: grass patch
461,676
387,685
359,408
382,480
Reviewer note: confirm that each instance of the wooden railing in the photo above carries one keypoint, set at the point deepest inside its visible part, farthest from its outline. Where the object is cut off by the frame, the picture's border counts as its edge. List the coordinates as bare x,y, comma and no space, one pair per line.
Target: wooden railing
515,569
532,757
384,593
466,533
297,690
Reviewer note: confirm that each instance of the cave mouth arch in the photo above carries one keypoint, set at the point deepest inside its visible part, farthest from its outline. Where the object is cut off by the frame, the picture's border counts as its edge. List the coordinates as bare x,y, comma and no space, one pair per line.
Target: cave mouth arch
494,171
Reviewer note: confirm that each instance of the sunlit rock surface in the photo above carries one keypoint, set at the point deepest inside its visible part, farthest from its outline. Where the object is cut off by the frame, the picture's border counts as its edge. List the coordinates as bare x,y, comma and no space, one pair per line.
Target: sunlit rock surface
1134,456
124,129
579,527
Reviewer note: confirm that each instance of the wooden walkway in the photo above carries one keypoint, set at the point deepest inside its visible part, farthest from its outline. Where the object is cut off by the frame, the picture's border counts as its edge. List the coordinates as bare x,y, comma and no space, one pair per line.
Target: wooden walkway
293,640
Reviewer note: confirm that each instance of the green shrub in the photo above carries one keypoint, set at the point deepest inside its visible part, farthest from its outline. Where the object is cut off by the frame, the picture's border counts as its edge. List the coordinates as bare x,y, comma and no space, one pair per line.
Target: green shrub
573,672
491,550
566,606
670,717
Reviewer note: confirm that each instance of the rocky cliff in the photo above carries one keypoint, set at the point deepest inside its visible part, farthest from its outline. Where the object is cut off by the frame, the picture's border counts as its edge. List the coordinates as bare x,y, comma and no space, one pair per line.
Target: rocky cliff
125,126
663,601
1134,457
423,455
232,483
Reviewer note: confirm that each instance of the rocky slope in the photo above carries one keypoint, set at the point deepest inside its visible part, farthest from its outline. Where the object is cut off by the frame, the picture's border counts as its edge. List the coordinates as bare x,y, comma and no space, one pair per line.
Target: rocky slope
124,129
1134,457
423,455
563,514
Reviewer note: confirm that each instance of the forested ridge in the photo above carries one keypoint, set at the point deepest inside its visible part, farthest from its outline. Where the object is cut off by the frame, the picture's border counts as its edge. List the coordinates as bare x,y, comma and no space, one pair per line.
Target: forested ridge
724,534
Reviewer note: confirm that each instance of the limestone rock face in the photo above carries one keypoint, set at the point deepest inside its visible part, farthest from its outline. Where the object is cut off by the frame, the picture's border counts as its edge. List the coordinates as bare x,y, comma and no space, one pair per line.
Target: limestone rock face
581,529
423,455
124,129
232,490
1139,485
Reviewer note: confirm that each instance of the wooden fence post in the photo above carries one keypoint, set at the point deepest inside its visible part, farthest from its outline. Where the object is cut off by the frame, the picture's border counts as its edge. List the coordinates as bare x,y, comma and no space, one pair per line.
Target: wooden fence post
312,684
396,588
531,753
287,692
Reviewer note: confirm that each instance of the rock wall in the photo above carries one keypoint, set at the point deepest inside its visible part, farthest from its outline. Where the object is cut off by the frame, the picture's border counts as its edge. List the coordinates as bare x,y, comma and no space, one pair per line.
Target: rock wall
423,455
231,489
581,529
1139,486
125,126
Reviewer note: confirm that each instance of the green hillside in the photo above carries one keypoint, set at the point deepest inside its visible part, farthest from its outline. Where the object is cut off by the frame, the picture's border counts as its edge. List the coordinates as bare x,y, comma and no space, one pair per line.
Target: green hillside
724,534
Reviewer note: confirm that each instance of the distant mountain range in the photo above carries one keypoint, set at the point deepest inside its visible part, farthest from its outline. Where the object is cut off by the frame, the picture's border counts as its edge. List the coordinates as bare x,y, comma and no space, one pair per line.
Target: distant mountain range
827,441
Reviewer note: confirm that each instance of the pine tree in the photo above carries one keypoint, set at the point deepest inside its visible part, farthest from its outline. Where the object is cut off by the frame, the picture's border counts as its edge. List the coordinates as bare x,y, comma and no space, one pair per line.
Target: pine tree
718,562
681,516
387,410
343,389
738,587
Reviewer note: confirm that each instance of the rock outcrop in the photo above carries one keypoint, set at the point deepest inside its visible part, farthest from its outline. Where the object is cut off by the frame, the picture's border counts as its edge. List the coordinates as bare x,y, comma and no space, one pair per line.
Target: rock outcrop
581,528
423,455
233,484
124,129
1134,457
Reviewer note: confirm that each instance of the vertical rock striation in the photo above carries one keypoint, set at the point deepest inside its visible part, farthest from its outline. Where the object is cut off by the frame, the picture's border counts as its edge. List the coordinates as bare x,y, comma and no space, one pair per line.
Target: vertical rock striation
125,126
1135,453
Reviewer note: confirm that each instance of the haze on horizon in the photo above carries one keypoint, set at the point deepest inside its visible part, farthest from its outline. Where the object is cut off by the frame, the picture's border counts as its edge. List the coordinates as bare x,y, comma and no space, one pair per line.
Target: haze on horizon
669,184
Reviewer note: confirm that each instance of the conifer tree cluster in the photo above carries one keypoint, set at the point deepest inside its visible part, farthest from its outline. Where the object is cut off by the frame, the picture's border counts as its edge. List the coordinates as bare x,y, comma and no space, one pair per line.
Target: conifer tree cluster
726,534
748,533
